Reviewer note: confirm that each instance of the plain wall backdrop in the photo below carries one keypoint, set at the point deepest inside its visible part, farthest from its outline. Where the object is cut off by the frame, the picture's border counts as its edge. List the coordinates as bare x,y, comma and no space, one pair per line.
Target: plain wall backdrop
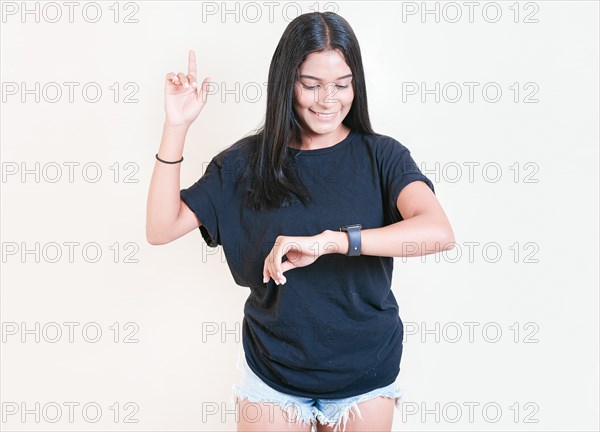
499,107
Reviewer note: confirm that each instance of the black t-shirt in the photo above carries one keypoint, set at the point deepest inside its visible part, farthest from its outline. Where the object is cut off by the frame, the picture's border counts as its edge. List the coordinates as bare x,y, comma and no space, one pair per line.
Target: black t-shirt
333,330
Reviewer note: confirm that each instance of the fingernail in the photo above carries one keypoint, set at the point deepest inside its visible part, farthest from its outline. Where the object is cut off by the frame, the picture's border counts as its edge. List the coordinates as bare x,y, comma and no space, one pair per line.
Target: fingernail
194,84
265,279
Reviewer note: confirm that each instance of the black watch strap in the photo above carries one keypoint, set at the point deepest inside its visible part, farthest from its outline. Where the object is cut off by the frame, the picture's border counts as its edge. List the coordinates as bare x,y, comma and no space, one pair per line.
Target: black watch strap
353,238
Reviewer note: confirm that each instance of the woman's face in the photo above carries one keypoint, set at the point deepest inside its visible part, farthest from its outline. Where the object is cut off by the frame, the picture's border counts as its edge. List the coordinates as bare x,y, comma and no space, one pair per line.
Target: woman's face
324,87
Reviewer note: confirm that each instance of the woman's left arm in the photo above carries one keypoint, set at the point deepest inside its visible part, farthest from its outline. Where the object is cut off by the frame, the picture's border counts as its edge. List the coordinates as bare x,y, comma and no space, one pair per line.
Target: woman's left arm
424,230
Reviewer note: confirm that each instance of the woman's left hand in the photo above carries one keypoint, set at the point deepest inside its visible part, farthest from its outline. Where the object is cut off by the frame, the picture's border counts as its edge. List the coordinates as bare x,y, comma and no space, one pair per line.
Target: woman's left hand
300,251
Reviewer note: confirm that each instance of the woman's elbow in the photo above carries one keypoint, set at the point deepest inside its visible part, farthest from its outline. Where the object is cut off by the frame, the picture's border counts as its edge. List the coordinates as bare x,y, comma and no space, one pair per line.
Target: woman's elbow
448,238
151,239
154,238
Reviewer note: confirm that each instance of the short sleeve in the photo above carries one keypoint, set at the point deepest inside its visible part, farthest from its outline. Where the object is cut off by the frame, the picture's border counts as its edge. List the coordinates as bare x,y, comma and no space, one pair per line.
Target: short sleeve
398,169
205,198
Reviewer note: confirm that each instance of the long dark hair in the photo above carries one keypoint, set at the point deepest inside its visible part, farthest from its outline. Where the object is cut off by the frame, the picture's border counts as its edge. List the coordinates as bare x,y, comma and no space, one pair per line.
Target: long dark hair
269,172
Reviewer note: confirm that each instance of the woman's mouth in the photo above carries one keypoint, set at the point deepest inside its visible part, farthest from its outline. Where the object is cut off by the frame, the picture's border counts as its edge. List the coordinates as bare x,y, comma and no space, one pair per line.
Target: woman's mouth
324,116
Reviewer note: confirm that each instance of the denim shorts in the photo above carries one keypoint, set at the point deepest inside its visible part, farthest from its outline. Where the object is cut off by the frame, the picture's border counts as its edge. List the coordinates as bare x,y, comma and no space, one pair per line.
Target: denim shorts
331,412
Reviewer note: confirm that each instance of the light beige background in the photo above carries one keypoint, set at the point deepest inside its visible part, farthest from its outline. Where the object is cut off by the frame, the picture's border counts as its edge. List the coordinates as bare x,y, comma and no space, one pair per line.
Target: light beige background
178,370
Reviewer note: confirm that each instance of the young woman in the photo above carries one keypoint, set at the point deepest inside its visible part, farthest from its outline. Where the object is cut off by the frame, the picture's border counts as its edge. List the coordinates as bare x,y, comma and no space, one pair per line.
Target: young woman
310,211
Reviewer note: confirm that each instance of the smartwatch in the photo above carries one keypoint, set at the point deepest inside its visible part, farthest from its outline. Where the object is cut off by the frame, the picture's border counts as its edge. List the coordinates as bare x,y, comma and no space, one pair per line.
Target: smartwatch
353,237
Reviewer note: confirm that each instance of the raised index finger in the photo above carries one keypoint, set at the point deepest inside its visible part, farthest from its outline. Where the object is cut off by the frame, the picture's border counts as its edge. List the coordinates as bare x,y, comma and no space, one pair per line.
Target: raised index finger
192,63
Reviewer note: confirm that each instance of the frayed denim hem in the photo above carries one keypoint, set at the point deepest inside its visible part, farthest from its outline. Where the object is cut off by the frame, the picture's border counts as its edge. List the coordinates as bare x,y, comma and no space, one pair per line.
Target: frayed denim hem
302,413
344,412
294,413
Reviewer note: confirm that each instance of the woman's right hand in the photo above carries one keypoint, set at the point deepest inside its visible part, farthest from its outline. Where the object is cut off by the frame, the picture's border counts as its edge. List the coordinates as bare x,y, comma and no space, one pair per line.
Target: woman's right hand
183,99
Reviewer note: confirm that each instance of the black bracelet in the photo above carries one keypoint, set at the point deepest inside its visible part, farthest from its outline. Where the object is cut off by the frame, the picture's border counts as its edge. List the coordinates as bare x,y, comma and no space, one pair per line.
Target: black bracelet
167,162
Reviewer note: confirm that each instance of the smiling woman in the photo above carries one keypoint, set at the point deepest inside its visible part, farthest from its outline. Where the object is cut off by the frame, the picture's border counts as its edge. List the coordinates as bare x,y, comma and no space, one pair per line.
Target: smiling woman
320,104
310,211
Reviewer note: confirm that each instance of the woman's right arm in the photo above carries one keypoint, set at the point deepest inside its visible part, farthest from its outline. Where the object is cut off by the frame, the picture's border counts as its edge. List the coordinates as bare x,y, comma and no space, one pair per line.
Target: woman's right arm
167,217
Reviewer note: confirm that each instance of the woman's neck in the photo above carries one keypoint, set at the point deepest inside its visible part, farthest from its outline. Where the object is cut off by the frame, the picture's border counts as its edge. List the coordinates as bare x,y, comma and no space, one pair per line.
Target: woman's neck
316,141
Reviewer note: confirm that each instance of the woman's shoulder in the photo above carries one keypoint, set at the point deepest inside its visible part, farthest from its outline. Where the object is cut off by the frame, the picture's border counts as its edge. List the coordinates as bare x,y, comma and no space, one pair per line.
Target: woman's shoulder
234,158
378,142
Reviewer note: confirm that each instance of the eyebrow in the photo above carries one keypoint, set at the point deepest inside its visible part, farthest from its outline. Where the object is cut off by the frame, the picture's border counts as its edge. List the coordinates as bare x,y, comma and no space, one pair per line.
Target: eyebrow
319,79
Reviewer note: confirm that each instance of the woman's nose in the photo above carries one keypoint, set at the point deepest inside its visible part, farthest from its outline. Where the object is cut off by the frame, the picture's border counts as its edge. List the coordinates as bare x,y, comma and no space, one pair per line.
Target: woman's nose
328,96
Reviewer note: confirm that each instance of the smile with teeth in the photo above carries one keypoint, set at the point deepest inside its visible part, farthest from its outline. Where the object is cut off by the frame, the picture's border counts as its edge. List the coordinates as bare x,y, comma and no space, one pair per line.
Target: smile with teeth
328,115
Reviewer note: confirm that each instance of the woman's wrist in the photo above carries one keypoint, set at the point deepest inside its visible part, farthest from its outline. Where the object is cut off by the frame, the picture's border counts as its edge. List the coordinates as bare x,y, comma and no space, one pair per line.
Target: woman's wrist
175,127
172,142
334,242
